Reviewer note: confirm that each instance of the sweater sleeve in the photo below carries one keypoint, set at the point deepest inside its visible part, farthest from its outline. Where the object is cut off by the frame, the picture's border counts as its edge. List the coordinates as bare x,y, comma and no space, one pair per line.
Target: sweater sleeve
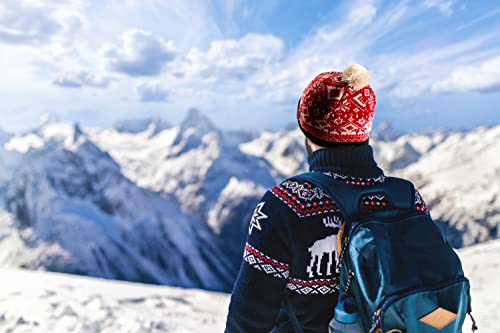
261,282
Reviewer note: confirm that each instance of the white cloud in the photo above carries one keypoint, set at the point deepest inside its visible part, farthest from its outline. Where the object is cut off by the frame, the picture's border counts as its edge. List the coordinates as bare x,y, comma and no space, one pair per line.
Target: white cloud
189,23
344,33
346,38
140,54
401,73
444,6
404,75
233,59
83,78
38,22
484,77
152,92
194,52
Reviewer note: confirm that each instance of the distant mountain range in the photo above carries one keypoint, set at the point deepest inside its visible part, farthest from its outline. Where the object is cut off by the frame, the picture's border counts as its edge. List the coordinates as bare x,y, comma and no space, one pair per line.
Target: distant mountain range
145,201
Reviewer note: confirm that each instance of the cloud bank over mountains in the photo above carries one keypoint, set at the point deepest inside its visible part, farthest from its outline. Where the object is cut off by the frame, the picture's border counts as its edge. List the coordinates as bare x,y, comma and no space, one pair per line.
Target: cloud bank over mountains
134,52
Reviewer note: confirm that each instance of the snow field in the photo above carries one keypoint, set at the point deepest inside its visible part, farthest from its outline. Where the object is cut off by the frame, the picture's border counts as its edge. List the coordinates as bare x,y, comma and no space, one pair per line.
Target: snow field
40,302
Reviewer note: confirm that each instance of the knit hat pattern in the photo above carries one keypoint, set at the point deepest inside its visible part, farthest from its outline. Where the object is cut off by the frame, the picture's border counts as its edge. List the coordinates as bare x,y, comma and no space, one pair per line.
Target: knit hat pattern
337,107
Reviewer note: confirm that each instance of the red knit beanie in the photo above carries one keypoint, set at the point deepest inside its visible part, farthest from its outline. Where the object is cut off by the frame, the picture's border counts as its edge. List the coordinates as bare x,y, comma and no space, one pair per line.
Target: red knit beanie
337,107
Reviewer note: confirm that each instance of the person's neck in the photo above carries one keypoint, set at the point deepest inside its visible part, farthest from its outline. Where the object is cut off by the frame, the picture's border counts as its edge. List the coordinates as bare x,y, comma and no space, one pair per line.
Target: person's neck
352,159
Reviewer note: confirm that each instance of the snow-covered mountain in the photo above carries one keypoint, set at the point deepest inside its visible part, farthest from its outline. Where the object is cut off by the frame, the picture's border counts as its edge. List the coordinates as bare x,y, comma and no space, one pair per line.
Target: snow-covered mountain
67,207
459,176
150,125
163,204
199,167
62,303
458,173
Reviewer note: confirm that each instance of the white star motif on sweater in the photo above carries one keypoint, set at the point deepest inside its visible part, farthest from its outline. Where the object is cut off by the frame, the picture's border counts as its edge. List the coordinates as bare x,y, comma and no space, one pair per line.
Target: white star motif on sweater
256,217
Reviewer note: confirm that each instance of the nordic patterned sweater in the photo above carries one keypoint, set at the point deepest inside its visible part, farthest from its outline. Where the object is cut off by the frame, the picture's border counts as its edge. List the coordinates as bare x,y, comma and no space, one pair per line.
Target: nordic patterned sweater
291,247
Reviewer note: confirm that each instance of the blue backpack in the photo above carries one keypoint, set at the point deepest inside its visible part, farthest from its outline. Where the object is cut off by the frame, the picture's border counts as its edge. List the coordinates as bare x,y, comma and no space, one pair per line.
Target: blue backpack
395,261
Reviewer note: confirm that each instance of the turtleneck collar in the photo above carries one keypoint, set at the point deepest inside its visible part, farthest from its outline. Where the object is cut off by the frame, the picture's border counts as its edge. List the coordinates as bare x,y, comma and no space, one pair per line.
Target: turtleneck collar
352,160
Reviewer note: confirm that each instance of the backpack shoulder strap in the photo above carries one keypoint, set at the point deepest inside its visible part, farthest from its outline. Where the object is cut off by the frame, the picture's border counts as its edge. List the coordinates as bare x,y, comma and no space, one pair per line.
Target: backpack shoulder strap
401,192
344,195
347,197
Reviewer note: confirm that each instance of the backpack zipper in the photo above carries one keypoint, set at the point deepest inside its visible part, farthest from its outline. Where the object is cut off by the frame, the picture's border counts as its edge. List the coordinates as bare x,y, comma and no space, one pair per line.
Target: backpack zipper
352,284
363,311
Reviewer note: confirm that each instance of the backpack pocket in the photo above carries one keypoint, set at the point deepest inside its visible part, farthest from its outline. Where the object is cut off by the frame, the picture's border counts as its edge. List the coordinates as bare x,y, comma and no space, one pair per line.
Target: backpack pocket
438,308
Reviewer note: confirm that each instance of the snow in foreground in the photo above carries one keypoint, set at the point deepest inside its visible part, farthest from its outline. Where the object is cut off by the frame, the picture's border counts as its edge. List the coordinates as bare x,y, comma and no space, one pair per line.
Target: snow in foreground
50,302
59,303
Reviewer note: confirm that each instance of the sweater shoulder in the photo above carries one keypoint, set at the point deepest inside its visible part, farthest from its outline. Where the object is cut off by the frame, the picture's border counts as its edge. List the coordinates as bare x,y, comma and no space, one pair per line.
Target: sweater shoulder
304,199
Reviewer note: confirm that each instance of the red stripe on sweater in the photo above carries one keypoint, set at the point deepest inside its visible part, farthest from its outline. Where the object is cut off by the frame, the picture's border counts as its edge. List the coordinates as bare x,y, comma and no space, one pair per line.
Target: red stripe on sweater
265,258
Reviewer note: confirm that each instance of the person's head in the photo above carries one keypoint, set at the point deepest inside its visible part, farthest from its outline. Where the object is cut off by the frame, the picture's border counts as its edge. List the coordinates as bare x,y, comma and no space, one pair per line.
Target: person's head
337,108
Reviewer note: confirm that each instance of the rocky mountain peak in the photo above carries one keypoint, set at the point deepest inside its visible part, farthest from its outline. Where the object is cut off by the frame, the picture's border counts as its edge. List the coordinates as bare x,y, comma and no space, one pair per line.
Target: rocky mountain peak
153,125
196,119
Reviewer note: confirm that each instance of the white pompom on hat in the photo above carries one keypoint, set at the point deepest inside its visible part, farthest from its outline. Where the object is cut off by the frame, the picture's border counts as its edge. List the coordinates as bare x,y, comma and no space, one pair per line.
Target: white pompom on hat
356,76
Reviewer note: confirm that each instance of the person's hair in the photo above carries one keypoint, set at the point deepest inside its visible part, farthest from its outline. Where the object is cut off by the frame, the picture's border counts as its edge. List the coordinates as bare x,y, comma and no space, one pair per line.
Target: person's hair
310,149
307,143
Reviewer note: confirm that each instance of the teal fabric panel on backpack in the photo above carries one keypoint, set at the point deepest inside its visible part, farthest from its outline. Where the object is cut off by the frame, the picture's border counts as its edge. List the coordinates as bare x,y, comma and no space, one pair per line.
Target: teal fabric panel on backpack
453,298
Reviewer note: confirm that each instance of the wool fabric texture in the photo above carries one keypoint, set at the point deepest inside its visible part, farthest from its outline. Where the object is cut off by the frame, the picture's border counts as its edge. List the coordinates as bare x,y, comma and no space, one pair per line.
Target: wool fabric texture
334,109
291,250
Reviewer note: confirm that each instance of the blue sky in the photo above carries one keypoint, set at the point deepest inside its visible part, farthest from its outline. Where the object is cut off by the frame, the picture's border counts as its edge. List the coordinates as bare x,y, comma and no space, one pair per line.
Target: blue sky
434,63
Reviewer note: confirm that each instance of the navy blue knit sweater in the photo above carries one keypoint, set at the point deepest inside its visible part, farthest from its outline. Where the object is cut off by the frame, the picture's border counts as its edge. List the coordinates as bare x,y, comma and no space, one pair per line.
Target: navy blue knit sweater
291,248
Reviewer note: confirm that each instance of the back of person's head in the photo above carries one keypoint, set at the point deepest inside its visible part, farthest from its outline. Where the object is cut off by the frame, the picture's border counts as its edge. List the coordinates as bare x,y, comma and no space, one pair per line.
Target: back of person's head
337,108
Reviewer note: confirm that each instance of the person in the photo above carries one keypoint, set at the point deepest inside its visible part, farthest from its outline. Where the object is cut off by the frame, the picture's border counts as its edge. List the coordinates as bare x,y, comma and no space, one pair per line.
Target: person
289,274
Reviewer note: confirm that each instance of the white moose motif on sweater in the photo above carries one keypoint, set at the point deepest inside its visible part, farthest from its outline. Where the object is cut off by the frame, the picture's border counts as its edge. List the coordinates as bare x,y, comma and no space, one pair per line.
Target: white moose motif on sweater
321,247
